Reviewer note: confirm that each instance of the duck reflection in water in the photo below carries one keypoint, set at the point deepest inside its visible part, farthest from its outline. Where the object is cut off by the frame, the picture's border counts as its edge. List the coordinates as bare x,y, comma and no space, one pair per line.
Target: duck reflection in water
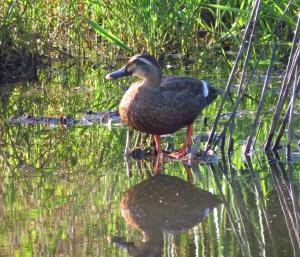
162,204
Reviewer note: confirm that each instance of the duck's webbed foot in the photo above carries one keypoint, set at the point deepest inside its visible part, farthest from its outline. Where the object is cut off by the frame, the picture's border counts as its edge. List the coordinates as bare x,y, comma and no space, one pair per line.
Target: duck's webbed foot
178,154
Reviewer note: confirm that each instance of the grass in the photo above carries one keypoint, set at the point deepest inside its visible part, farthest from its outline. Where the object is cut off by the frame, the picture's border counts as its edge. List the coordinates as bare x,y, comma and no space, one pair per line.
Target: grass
184,26
59,29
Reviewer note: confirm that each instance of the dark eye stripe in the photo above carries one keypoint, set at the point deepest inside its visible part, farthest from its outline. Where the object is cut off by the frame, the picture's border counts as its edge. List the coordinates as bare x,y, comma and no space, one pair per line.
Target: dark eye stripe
139,62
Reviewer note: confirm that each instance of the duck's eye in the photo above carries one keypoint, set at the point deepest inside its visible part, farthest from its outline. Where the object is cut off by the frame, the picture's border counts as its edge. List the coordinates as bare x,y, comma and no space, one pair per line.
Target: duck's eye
130,68
138,62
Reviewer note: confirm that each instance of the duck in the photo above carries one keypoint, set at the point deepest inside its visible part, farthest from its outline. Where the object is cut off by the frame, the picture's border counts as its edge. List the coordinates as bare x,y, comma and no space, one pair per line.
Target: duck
162,205
160,105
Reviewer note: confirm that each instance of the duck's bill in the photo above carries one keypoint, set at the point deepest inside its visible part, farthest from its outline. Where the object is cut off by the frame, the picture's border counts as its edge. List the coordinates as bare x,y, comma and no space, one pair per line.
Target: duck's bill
117,74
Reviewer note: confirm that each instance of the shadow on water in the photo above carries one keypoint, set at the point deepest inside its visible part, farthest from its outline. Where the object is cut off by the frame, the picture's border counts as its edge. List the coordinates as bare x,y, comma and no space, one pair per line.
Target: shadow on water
162,204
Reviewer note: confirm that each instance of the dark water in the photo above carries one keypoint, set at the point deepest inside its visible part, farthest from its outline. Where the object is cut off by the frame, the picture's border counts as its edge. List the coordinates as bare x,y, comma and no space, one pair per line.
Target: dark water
67,191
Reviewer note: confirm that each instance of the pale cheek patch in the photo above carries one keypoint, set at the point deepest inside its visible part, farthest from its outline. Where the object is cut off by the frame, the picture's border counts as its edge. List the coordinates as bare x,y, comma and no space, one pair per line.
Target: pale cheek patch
204,88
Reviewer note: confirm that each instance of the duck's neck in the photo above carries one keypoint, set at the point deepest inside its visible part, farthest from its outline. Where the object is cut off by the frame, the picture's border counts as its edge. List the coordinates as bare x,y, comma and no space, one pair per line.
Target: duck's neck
151,82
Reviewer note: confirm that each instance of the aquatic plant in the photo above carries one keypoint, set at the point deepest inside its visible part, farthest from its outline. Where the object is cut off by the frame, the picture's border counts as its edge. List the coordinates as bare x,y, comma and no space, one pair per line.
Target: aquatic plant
64,29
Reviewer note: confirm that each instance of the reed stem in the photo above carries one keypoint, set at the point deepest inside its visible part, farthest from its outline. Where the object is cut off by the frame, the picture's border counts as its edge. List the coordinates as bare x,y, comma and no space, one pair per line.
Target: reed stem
249,28
249,142
284,88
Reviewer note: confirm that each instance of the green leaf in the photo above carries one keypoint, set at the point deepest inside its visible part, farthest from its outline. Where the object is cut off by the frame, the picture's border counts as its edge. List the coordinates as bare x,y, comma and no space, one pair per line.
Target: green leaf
107,35
226,8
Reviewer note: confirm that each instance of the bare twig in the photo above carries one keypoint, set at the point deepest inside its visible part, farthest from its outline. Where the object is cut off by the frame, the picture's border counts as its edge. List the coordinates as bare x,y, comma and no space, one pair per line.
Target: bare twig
240,89
285,119
284,88
212,134
292,103
232,74
260,105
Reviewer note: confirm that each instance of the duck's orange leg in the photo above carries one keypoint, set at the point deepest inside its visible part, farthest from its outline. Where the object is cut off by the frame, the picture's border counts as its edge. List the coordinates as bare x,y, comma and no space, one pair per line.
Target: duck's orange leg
181,153
157,167
157,144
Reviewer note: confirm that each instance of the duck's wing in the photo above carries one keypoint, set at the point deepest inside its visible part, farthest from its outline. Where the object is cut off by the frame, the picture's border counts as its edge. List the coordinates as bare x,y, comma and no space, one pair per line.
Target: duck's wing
182,98
191,86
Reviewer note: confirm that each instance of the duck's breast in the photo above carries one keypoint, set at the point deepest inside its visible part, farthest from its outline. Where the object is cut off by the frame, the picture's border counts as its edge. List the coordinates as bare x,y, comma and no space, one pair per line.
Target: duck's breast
143,110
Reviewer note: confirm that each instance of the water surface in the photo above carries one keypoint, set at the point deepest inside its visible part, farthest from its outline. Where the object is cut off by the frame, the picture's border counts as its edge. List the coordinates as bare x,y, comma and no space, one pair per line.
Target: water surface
66,191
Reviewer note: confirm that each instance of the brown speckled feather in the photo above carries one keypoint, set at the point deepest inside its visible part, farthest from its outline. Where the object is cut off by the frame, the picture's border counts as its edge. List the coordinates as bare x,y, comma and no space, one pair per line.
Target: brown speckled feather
176,104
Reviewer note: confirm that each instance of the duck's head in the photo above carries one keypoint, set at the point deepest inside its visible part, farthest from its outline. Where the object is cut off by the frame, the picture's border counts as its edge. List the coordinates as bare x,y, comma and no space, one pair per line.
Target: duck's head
141,65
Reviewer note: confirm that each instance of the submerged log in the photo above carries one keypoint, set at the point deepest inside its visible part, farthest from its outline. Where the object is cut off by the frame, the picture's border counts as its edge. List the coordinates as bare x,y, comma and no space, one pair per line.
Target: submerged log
88,118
